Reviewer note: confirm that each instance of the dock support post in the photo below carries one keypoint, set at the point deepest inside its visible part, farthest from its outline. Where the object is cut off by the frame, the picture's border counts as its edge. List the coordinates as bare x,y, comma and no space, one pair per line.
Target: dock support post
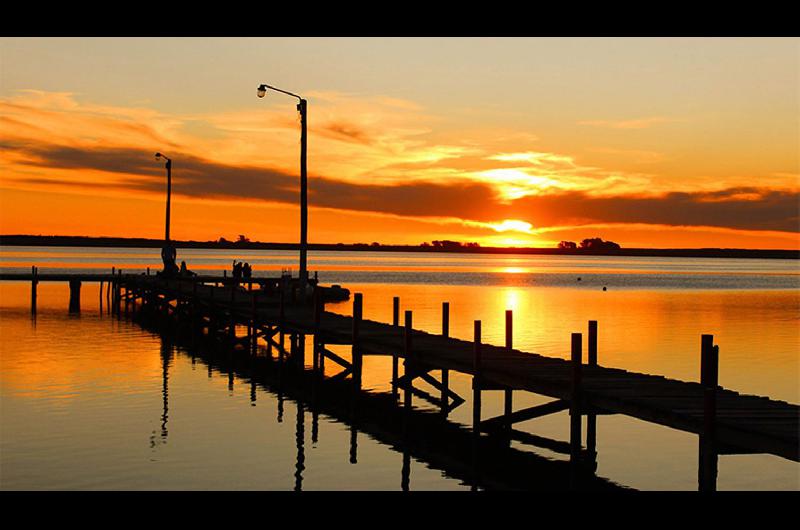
591,417
357,360
709,379
575,409
445,372
253,323
300,353
592,344
395,360
508,403
34,283
74,296
319,308
118,294
280,324
408,349
476,401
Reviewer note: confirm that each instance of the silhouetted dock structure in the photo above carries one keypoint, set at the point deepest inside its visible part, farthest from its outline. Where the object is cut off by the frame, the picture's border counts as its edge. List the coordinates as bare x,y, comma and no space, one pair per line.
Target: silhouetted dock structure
255,316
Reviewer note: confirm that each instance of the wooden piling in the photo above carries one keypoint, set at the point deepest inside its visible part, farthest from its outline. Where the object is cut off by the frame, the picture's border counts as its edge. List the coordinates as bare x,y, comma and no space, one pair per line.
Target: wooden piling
74,296
508,403
709,379
575,408
34,282
591,417
592,344
280,324
476,399
408,348
253,331
445,405
318,309
357,357
395,360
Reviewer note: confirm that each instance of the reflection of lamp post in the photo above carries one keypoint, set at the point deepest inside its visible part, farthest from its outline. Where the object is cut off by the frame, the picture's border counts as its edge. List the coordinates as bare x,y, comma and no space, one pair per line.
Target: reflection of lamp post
168,253
301,107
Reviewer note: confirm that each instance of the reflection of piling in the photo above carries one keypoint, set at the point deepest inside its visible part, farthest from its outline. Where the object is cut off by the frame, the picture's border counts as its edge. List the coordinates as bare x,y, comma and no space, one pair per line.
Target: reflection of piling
353,444
300,441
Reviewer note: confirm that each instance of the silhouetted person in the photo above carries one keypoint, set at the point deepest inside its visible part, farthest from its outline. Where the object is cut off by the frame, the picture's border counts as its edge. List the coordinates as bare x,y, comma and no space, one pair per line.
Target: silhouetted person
247,271
185,271
168,255
237,269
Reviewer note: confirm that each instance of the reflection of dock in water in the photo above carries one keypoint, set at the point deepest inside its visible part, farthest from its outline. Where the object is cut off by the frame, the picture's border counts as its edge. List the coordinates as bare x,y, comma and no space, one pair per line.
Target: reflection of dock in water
419,434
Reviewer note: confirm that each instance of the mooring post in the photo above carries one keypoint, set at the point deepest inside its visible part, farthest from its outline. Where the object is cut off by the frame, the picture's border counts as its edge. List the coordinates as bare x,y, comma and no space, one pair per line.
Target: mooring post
591,417
575,409
445,372
592,344
253,323
508,403
357,357
709,380
108,291
408,349
148,271
74,296
476,399
319,307
280,325
118,293
300,357
232,322
395,361
34,282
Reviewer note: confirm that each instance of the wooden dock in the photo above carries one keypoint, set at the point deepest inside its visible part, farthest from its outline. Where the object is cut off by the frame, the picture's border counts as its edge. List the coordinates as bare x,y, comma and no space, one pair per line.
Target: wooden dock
727,422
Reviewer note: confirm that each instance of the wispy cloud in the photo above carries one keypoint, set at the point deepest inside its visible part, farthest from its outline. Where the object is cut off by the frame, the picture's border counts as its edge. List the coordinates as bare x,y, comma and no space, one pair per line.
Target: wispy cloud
638,123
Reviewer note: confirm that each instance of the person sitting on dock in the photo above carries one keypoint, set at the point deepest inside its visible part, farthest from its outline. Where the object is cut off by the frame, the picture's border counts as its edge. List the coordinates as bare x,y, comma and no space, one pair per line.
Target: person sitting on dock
168,255
185,271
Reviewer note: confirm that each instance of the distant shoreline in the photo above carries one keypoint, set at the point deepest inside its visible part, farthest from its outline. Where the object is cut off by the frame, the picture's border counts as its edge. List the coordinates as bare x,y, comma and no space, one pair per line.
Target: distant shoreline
83,241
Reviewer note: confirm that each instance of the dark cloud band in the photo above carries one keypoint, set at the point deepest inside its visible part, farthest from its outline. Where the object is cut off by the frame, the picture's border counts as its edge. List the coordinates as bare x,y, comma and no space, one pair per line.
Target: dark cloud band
741,208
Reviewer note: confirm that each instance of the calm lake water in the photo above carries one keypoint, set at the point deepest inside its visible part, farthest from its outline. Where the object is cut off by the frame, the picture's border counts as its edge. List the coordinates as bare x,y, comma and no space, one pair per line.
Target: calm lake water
90,402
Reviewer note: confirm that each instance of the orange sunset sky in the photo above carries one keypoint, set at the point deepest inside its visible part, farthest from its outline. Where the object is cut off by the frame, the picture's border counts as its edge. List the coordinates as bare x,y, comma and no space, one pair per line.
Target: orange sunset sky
649,142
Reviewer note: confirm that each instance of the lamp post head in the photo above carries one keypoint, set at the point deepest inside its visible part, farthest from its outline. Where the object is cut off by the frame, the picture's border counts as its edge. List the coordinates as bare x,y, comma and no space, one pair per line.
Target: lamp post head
262,91
159,156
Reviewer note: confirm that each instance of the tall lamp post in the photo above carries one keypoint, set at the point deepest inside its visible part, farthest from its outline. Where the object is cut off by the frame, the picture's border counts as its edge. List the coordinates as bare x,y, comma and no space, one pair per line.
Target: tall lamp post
168,253
301,107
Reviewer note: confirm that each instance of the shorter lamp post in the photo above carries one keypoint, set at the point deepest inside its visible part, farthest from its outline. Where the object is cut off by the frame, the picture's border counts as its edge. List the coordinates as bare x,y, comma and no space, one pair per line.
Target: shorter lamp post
168,253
